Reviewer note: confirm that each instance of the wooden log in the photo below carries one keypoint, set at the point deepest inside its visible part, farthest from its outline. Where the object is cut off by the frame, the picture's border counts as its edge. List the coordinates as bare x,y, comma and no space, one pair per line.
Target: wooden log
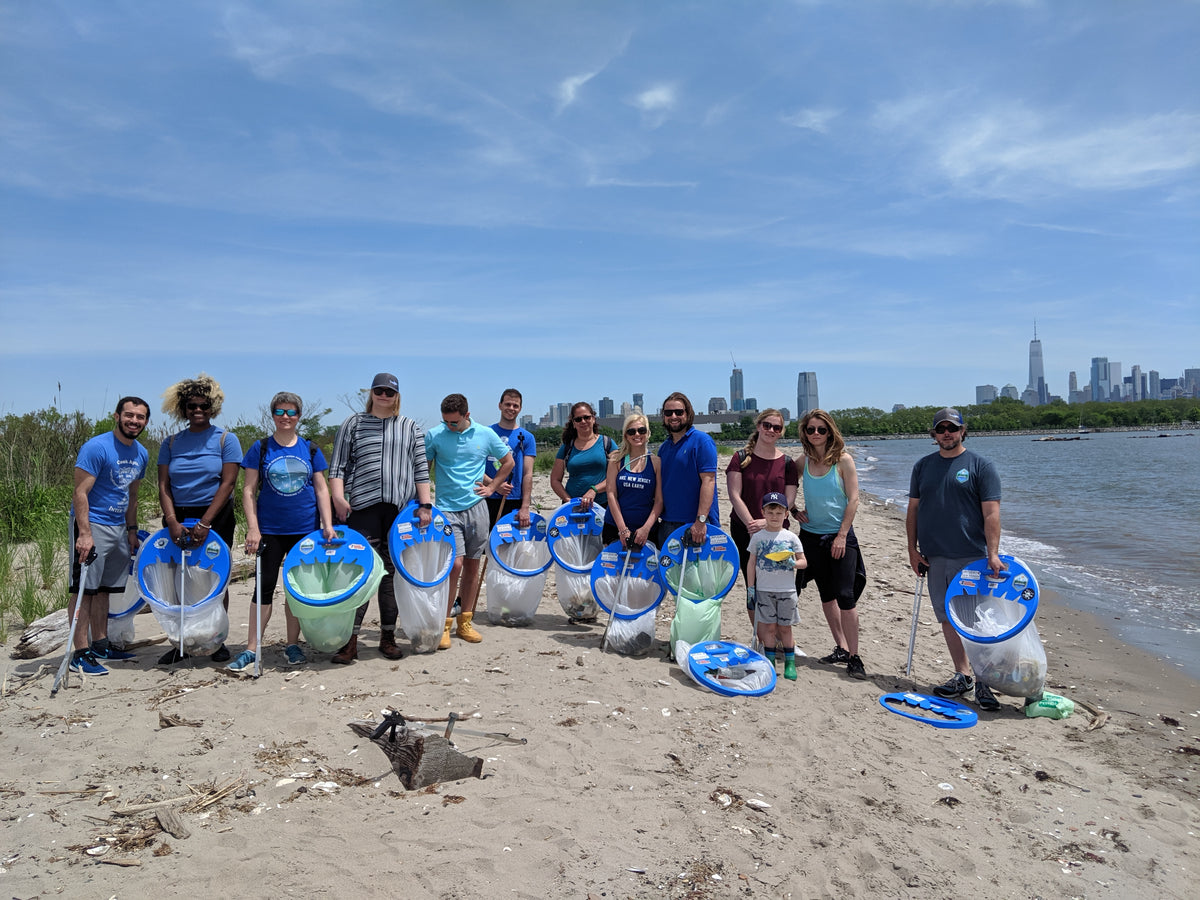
422,759
45,635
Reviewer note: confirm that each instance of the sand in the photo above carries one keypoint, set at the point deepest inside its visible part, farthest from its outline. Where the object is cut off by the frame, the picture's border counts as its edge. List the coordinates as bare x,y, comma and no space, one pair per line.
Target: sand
634,782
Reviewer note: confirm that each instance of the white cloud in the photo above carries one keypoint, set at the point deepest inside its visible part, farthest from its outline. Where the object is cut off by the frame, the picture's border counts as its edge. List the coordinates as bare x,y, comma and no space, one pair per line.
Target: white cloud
813,119
656,103
568,89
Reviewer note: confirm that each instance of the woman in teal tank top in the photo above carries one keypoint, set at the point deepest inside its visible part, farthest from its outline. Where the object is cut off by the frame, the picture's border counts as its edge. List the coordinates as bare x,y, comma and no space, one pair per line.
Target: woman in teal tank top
830,483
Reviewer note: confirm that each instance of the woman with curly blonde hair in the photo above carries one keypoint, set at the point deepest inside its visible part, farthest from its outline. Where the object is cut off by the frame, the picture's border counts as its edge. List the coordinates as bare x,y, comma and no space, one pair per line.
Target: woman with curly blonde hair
197,471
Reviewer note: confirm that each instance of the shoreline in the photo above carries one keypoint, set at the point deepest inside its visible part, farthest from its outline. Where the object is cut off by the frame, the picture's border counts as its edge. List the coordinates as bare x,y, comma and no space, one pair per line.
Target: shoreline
634,780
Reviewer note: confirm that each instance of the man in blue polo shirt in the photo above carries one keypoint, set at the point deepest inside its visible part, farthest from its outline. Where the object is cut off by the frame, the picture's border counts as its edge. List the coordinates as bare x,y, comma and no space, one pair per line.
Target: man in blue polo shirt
459,449
689,472
515,493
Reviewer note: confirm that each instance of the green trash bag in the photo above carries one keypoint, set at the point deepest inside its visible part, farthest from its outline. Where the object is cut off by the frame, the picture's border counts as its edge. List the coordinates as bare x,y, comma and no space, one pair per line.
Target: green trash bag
325,593
696,623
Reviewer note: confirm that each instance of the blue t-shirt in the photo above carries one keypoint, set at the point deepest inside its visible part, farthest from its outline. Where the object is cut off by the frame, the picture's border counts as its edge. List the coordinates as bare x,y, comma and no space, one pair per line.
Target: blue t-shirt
194,461
115,467
287,501
461,458
949,493
586,468
682,463
635,494
522,444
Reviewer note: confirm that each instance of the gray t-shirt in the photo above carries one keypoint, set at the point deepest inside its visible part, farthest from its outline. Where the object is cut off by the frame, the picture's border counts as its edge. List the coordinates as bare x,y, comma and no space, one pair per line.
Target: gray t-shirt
949,493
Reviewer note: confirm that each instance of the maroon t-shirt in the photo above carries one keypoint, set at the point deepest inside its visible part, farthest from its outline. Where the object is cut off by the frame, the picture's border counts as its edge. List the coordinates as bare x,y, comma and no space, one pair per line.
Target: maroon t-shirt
763,476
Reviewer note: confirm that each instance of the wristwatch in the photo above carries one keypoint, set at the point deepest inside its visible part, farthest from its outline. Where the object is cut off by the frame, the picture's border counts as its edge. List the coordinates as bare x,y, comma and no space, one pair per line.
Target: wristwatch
702,518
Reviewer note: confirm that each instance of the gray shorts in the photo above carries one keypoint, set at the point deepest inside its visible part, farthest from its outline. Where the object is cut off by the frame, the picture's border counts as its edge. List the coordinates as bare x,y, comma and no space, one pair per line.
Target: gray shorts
942,570
776,608
470,527
109,572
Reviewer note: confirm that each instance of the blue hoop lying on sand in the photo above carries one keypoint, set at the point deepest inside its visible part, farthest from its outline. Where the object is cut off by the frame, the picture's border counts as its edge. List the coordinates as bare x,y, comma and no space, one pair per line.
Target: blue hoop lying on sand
727,668
423,556
643,589
711,568
975,583
326,583
935,711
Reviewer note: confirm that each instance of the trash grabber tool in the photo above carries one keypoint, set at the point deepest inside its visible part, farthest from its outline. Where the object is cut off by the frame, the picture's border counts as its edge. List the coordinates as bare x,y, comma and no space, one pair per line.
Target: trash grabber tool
912,634
612,613
61,678
258,609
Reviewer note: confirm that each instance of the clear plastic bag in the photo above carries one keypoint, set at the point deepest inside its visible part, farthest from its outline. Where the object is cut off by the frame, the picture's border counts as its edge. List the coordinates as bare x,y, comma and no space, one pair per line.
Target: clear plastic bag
421,611
206,624
631,636
120,630
574,590
1015,666
512,599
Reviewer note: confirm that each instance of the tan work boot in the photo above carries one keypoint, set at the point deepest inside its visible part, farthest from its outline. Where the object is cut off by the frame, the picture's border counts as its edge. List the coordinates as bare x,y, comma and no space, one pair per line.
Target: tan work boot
466,630
444,643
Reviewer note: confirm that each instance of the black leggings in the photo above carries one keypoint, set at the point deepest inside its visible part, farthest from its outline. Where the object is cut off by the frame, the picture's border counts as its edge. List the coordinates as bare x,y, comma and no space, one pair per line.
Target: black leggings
274,548
373,523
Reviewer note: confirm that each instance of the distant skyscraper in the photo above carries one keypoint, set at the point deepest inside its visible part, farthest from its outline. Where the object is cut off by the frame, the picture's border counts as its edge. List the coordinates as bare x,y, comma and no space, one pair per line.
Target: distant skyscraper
1155,387
1191,381
1037,373
606,407
1135,383
1100,378
1114,381
562,412
717,405
737,395
1010,391
985,393
637,401
806,392
751,404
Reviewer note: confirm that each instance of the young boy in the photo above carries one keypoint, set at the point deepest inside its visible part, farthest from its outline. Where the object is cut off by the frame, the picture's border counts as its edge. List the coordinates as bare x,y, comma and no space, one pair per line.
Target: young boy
771,582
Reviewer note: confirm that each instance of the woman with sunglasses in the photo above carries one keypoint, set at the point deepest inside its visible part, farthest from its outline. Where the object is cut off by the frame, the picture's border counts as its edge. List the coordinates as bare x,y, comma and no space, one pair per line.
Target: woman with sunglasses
378,466
583,458
284,496
634,487
827,533
197,471
756,470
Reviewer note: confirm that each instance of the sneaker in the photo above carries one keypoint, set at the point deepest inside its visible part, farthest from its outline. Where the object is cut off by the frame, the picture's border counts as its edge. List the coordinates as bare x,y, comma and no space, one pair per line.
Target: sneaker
221,654
984,697
854,668
244,660
295,656
83,661
958,685
108,651
837,656
171,657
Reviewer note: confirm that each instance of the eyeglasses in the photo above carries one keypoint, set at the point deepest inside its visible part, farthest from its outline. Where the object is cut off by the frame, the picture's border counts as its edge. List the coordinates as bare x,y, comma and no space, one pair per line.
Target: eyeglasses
667,413
290,413
816,429
383,392
205,405
632,431
945,427
770,426
579,419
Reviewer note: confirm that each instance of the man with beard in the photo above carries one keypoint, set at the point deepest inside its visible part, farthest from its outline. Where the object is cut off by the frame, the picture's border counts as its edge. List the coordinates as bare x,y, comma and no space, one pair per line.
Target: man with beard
689,472
954,518
108,471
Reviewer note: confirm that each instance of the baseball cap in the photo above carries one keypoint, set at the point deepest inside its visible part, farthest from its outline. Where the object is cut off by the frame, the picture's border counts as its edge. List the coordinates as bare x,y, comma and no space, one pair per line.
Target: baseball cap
947,414
387,380
774,498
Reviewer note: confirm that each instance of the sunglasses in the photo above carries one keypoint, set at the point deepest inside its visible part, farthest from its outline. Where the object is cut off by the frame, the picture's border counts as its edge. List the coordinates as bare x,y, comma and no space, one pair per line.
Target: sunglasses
290,413
632,431
674,412
453,424
205,405
945,427
383,392
816,429
579,419
778,429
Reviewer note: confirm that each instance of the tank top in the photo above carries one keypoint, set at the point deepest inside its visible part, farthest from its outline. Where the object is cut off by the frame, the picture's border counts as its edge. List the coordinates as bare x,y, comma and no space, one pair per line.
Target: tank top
635,493
824,500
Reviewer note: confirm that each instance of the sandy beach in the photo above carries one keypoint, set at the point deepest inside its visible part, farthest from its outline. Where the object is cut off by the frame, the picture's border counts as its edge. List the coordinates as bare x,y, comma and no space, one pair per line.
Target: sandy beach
634,782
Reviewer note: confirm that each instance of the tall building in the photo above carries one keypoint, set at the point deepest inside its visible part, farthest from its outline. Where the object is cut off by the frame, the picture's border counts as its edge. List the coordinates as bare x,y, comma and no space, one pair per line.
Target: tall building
1074,394
1037,372
1135,383
562,412
1010,391
606,407
985,393
1155,387
1191,382
737,395
1114,381
717,405
638,402
1100,378
806,392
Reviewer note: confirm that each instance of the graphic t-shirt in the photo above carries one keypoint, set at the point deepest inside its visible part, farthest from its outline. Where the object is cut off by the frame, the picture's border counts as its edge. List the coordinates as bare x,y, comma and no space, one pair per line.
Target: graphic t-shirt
778,573
287,501
115,467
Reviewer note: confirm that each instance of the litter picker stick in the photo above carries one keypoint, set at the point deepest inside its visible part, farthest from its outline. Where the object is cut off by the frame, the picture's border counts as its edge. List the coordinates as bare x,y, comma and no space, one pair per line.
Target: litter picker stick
612,613
258,609
64,666
183,555
912,634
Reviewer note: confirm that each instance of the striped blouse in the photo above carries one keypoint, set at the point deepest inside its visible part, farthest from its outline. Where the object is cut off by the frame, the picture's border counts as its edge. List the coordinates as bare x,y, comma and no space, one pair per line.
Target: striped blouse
380,460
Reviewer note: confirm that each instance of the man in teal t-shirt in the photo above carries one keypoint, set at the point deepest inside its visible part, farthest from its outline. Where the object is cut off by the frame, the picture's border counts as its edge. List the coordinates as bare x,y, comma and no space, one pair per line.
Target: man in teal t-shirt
459,450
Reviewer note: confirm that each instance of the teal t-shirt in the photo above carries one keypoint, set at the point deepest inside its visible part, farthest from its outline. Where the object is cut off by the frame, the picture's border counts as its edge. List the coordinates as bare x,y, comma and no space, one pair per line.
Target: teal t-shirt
461,458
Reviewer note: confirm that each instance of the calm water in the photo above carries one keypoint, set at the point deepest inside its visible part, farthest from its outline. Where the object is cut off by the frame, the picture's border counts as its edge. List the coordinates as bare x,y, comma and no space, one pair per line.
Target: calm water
1110,523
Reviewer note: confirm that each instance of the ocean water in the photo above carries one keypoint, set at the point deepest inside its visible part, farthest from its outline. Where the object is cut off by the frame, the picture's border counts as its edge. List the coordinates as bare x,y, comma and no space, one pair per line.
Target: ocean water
1111,523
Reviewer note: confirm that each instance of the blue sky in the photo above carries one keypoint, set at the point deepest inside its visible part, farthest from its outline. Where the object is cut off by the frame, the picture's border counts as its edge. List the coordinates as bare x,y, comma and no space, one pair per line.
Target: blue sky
590,199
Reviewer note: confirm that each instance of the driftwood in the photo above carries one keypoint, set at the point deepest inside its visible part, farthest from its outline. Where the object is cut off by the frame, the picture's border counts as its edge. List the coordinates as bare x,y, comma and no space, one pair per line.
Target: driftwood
421,759
170,822
49,633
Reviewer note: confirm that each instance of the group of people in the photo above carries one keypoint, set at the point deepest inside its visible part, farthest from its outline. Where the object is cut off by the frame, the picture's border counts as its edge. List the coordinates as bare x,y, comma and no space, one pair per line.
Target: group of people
382,460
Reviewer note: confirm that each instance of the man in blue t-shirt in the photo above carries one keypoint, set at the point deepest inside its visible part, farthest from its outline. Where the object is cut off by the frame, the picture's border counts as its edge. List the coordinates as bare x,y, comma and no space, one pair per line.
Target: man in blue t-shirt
108,472
515,493
689,472
459,450
954,519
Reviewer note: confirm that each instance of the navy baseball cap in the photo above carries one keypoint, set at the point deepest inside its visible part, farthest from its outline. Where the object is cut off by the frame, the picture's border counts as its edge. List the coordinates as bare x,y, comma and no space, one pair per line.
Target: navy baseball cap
386,380
774,498
947,414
